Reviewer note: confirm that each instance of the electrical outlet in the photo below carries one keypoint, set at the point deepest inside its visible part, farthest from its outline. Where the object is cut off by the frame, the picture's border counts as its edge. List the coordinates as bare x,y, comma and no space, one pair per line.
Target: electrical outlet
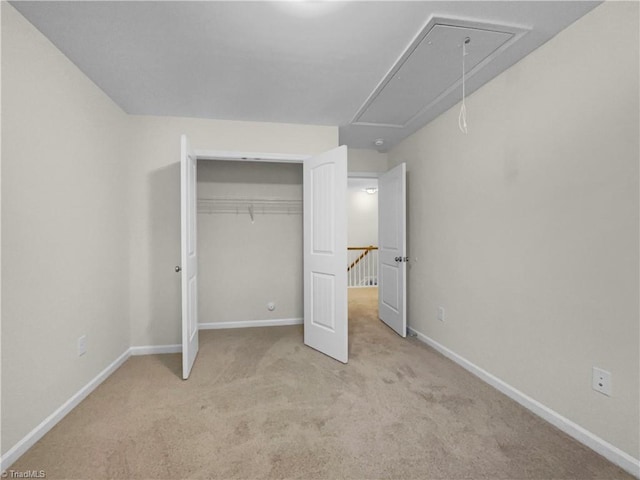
601,381
82,345
441,314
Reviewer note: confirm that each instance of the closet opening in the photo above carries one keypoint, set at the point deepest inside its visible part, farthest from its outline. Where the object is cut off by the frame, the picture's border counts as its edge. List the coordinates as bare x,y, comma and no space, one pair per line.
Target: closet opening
321,233
250,243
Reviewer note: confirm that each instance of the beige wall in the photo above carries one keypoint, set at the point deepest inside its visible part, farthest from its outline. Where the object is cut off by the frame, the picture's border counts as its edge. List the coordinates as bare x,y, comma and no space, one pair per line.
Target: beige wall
64,228
154,210
242,266
366,160
526,229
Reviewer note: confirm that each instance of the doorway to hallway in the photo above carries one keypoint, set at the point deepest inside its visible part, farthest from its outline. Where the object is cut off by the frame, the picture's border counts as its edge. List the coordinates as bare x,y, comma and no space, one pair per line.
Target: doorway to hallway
362,232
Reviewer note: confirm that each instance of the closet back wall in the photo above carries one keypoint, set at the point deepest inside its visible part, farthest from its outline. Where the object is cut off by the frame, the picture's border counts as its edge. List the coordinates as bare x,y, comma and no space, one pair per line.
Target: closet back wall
242,265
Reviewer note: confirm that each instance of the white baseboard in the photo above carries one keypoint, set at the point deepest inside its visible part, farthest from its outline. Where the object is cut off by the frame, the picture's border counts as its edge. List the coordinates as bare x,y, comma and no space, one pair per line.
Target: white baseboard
595,443
276,322
48,423
155,349
610,452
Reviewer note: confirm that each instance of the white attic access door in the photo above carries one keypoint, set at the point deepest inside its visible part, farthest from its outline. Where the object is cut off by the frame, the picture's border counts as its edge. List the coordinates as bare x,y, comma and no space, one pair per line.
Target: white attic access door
325,247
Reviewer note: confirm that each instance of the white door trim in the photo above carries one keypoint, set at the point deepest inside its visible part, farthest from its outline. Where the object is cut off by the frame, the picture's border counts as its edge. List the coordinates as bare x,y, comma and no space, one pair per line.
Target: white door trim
251,156
363,174
267,158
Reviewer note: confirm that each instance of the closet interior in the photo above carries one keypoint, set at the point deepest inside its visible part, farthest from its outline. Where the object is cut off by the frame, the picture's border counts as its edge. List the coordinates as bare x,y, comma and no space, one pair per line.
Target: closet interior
250,236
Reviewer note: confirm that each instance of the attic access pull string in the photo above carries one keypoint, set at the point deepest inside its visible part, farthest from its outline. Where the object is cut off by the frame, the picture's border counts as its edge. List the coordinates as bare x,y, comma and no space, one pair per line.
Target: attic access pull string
462,117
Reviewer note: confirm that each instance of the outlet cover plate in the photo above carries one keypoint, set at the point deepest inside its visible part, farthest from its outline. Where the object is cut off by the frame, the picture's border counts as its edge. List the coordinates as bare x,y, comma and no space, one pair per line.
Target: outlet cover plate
601,381
82,345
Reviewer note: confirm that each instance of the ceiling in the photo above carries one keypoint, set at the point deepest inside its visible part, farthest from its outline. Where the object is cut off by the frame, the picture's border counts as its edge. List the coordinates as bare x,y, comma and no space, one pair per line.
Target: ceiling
360,65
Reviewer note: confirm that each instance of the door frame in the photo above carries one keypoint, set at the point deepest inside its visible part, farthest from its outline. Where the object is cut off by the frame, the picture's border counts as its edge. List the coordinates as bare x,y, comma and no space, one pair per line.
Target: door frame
238,156
376,175
251,156
364,174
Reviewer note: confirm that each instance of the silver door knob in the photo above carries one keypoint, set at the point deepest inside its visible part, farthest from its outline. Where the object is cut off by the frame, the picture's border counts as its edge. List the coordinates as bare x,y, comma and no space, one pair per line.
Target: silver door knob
178,268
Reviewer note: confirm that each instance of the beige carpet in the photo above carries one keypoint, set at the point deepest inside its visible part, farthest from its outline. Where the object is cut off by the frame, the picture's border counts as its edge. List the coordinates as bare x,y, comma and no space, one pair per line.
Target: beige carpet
262,405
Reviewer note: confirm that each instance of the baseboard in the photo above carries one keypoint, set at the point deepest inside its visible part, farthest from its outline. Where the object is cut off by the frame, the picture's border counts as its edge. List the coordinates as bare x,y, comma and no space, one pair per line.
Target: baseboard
48,423
276,322
610,452
595,443
155,349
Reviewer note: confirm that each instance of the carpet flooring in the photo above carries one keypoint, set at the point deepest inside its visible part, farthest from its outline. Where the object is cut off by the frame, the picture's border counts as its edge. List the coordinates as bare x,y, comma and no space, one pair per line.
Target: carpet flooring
260,404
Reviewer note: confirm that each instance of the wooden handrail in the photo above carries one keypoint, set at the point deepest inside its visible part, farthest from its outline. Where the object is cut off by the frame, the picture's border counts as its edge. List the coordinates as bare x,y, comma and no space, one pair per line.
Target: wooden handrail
364,254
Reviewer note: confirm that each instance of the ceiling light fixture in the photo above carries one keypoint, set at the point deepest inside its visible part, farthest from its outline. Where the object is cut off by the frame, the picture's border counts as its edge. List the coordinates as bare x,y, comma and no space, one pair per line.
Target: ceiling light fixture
370,190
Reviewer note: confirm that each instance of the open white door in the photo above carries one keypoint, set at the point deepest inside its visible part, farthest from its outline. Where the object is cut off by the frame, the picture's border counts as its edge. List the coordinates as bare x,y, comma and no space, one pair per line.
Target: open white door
325,253
188,168
392,268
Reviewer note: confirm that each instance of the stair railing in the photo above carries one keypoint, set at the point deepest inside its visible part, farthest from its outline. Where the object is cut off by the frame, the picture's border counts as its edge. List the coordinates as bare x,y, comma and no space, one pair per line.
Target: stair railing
362,266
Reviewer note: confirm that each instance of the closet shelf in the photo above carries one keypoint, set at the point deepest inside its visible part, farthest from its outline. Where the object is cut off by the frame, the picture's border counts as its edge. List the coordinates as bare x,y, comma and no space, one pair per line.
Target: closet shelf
274,206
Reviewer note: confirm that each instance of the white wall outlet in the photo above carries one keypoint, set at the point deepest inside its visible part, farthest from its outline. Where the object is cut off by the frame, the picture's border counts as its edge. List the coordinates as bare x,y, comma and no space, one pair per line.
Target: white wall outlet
271,306
82,345
441,314
601,381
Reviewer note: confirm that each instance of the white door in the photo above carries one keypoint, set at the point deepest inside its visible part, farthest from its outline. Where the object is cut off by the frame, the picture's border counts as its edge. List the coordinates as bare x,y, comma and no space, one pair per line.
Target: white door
188,166
392,268
325,253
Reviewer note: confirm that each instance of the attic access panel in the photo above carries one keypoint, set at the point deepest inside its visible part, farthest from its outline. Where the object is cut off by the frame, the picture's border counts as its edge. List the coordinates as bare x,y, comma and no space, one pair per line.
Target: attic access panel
428,71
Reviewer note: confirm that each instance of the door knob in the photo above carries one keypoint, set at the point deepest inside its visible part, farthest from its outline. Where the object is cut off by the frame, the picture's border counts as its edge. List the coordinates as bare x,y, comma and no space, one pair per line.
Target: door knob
178,269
